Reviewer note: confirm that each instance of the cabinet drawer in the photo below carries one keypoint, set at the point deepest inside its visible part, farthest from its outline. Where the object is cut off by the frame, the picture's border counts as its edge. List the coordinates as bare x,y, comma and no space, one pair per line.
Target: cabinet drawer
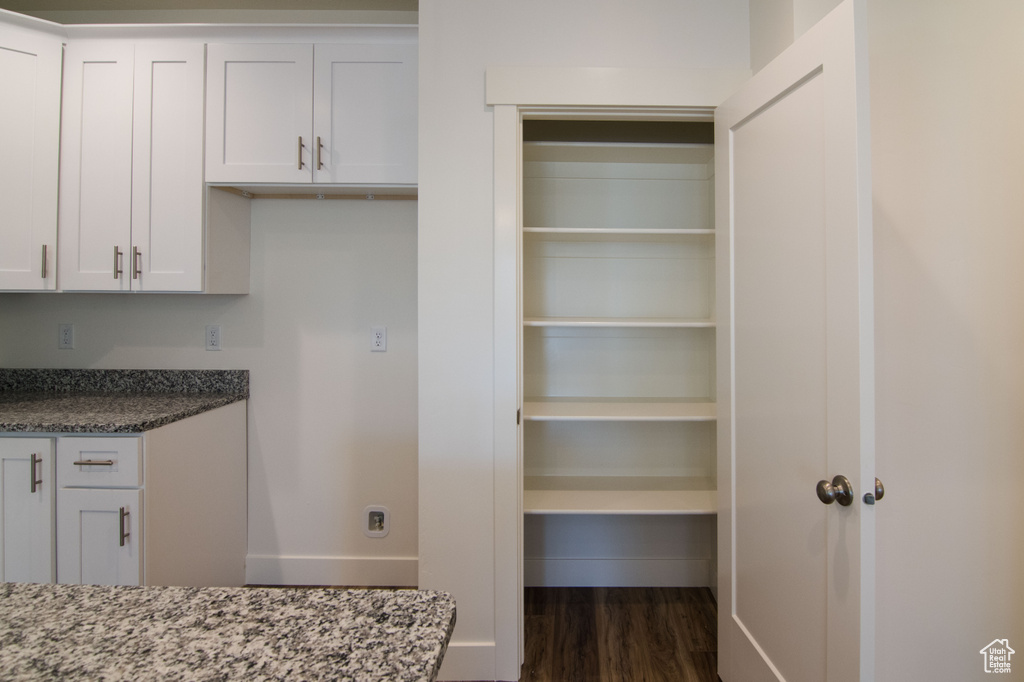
116,462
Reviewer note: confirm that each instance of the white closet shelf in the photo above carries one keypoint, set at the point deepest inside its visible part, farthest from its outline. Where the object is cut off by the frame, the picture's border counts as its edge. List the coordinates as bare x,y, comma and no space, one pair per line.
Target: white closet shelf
641,322
593,409
611,234
619,495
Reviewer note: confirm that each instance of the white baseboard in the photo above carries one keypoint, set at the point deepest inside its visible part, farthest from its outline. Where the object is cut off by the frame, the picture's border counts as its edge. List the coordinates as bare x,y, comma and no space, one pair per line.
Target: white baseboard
468,661
331,570
616,573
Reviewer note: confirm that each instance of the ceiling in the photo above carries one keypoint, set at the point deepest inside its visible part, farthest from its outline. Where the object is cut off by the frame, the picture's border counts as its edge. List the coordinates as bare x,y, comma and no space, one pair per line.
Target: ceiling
31,6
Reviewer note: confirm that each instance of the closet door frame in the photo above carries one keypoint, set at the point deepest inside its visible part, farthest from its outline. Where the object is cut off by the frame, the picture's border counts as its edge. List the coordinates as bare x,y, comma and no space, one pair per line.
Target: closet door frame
516,93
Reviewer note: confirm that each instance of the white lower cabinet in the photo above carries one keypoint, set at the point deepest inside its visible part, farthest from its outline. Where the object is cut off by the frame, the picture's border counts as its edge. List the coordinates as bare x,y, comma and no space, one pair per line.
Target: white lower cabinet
27,510
164,507
99,538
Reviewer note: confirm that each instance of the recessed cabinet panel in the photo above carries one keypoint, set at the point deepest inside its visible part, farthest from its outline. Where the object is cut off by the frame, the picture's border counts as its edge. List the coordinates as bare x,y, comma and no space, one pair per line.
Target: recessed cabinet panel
96,167
99,539
30,79
167,169
365,115
259,105
27,551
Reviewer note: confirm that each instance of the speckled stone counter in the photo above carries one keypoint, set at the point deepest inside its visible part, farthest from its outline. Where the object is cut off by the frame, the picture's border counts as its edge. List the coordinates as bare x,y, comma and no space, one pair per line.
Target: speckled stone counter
111,401
90,632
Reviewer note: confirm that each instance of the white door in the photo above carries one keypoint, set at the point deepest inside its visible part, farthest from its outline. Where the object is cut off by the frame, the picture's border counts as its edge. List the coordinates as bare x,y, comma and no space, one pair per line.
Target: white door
99,536
259,113
26,510
30,78
365,113
167,171
797,399
96,167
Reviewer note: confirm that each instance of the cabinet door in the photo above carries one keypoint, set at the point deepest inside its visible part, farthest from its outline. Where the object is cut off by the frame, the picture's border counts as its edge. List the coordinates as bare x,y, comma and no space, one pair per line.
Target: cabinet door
259,113
26,510
365,114
99,539
96,168
167,169
29,146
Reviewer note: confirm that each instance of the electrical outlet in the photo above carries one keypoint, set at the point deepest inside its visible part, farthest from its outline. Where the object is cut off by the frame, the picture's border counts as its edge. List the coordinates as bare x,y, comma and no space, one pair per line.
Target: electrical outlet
213,337
378,339
66,336
376,521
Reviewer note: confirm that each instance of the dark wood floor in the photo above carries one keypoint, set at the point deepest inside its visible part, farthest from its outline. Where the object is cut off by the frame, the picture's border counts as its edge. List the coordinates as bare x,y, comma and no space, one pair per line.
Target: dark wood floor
627,634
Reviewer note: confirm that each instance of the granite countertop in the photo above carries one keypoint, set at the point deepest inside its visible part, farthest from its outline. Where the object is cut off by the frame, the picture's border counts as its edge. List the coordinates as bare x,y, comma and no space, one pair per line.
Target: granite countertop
111,401
92,632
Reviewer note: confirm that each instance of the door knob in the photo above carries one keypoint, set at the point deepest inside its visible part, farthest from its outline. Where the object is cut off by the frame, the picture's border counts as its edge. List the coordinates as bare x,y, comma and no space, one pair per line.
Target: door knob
839,490
879,493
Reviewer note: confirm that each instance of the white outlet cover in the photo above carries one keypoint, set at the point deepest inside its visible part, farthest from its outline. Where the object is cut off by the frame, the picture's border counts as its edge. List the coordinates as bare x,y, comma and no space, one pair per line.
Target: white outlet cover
376,521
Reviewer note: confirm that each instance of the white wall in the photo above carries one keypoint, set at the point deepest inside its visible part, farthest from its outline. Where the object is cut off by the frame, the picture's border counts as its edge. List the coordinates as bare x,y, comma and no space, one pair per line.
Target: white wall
948,166
459,39
332,426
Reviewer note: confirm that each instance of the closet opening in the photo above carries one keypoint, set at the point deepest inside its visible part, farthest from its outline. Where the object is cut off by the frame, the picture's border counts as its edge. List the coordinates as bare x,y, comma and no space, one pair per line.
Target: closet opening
617,357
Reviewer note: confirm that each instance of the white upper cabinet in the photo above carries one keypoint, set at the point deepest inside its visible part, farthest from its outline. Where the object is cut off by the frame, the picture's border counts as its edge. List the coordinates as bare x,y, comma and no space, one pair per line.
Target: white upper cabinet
131,206
299,113
167,168
30,64
260,110
364,114
96,166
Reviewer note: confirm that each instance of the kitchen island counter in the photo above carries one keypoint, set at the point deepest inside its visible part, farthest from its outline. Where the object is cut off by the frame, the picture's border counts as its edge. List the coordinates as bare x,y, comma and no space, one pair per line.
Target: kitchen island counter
91,632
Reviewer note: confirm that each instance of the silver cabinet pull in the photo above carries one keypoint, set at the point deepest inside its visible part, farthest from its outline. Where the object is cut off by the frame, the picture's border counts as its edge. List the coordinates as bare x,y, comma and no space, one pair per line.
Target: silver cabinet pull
839,490
43,273
121,516
301,147
94,463
319,153
117,262
136,267
33,461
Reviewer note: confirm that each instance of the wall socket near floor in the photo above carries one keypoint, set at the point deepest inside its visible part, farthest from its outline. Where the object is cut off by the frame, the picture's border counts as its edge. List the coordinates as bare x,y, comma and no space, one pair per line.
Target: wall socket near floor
213,337
66,336
378,339
376,521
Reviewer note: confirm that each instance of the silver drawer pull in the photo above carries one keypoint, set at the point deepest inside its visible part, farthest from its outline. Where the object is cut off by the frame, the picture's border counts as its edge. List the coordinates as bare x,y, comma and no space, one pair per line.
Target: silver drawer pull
123,513
36,460
94,463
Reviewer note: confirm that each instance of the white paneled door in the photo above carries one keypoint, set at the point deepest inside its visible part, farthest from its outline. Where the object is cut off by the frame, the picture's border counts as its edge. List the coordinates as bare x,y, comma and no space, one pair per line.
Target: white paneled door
797,575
